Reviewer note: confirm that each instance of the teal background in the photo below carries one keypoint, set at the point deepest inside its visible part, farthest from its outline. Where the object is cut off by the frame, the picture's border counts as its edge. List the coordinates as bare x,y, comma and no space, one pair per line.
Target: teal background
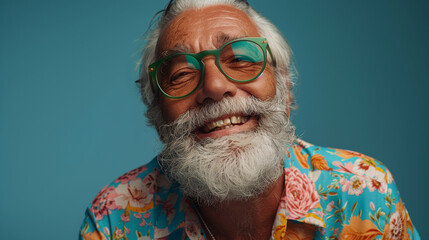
71,119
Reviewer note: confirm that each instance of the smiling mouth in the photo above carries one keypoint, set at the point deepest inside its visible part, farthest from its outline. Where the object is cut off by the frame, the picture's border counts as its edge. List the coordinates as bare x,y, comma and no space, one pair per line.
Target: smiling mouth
224,123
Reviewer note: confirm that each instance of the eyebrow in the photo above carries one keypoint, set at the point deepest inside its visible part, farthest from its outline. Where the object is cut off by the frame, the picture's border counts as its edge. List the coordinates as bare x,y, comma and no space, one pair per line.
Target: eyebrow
184,48
223,38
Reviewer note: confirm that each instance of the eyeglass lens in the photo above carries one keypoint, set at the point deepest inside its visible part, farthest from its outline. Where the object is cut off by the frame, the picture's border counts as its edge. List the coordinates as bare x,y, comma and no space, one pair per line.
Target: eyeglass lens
180,75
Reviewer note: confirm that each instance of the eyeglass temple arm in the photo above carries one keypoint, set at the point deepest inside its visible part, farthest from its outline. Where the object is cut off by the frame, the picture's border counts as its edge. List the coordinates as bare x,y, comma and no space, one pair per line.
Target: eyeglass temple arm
271,54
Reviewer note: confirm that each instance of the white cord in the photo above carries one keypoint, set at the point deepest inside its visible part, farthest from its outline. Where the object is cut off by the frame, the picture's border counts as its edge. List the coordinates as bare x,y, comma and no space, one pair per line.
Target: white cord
204,222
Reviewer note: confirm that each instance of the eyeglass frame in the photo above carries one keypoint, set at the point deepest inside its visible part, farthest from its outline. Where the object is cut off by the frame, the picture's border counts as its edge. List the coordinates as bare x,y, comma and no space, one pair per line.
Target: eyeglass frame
260,41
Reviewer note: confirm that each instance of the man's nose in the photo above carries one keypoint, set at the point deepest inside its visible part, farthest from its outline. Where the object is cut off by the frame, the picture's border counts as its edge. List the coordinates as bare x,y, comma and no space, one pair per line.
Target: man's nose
215,85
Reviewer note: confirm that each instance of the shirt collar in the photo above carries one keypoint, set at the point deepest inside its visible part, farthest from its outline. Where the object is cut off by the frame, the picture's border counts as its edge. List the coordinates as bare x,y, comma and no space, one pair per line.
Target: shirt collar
301,201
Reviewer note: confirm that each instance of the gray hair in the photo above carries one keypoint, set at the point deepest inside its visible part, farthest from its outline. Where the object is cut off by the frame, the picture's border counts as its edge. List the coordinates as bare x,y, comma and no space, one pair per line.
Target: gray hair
281,52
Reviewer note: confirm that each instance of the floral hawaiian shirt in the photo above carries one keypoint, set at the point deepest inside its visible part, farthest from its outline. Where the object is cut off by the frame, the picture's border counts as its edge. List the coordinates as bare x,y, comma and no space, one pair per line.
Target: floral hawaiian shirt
345,194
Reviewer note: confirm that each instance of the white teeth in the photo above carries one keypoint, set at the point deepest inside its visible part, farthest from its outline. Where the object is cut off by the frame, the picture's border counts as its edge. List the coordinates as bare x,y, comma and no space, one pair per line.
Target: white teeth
225,123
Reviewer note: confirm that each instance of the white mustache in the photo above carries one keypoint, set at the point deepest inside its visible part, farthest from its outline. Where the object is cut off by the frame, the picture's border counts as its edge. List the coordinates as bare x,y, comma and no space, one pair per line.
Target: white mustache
195,118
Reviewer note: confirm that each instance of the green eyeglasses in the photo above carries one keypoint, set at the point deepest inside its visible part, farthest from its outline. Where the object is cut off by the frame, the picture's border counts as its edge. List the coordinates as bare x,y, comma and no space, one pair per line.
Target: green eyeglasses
240,60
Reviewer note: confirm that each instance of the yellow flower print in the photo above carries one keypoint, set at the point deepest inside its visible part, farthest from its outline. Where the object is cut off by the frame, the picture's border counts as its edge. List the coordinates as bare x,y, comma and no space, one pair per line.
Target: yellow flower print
93,236
313,219
398,223
358,229
302,159
280,230
318,162
96,235
349,154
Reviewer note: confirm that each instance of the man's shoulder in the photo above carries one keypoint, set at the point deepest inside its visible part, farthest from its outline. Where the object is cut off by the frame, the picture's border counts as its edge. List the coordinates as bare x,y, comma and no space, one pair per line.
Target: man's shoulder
140,203
348,172
344,190
312,157
135,190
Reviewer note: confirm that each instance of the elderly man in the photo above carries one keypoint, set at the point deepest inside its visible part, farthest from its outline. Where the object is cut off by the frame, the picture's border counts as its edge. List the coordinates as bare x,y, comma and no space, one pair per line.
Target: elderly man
216,78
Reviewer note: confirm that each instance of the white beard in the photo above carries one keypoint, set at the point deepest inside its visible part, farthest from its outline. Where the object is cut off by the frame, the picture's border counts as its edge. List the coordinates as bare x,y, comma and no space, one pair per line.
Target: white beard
233,167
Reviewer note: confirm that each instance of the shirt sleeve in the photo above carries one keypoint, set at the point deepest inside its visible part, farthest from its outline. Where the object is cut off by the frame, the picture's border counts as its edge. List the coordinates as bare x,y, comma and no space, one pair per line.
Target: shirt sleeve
90,229
398,222
379,212
359,197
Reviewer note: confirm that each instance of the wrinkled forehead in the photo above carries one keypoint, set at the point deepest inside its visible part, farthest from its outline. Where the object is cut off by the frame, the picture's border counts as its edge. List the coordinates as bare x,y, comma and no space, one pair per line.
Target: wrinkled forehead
205,28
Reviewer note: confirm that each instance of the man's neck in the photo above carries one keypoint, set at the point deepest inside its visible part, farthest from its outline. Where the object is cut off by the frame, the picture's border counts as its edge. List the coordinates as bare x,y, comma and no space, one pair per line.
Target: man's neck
251,219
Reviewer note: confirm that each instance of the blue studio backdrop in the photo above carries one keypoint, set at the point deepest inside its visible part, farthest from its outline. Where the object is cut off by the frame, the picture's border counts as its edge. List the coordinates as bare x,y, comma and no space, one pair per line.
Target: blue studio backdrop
71,119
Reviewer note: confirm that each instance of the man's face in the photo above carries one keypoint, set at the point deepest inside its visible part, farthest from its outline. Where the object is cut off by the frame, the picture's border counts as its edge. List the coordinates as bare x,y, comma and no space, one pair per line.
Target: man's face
234,163
197,30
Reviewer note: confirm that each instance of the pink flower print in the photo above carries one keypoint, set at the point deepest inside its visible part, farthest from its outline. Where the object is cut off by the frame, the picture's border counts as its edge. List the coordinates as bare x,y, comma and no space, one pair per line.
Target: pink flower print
125,218
374,184
346,168
330,206
375,177
301,193
162,181
103,202
134,196
354,187
131,175
372,206
137,215
144,223
364,167
346,184
150,181
190,215
168,206
106,231
143,217
389,177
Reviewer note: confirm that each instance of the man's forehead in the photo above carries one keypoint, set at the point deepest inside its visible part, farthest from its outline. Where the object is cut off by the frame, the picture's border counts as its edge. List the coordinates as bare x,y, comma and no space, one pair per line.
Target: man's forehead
213,25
